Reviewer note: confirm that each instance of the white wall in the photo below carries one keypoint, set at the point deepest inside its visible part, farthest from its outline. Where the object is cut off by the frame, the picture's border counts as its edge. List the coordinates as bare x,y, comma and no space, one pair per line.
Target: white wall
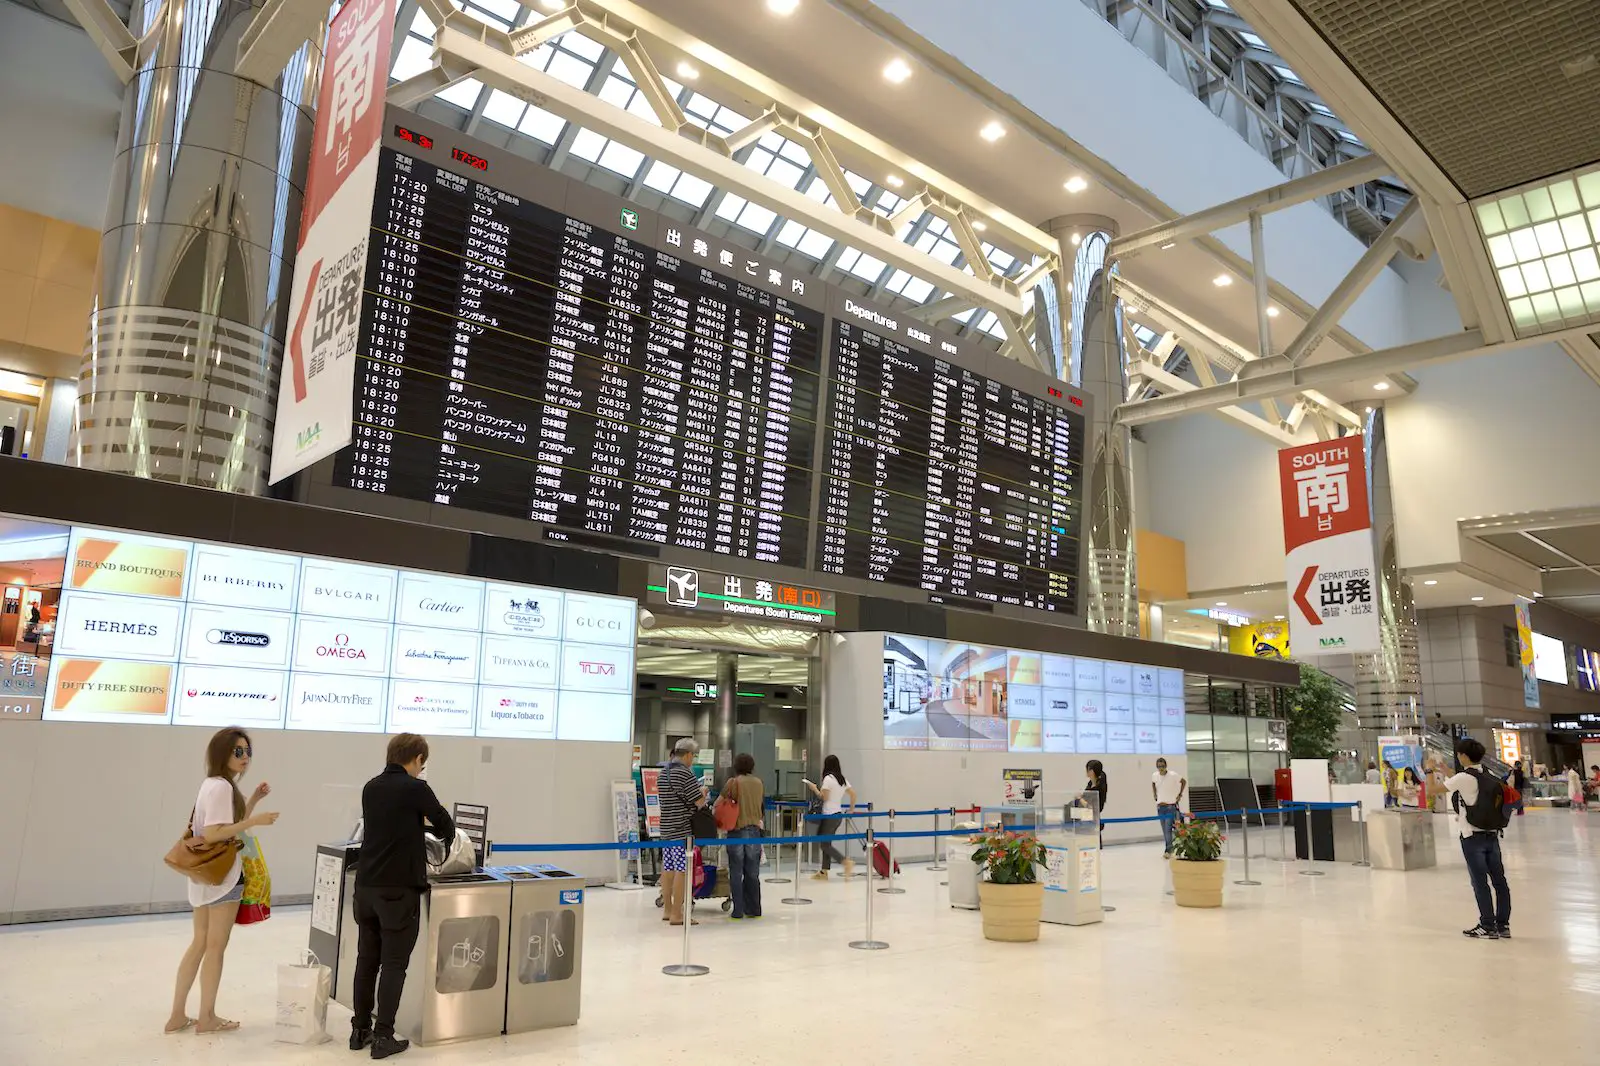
91,809
1213,484
59,122
1499,434
921,780
1070,67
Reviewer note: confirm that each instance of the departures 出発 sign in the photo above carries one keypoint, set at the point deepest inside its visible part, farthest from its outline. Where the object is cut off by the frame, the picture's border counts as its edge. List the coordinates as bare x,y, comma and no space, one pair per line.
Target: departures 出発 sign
1327,534
756,598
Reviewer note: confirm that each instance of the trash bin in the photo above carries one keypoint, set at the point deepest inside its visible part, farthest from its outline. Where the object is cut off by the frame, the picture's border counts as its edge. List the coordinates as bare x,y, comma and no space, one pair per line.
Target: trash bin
455,985
962,871
545,965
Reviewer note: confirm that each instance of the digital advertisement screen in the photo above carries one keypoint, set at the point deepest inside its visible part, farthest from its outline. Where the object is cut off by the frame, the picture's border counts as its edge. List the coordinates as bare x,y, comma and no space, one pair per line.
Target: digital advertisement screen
943,695
1549,659
158,631
521,360
935,477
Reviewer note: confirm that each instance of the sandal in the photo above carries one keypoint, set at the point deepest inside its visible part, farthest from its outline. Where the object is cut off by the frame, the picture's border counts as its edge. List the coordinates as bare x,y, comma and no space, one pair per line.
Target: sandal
224,1025
187,1023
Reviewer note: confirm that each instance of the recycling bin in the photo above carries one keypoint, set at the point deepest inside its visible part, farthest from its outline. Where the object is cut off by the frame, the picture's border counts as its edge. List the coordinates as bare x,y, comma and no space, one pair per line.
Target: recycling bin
545,965
455,985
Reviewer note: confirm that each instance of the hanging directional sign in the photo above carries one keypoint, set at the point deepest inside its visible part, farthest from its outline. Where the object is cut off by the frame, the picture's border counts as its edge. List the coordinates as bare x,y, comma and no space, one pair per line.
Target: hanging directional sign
1327,534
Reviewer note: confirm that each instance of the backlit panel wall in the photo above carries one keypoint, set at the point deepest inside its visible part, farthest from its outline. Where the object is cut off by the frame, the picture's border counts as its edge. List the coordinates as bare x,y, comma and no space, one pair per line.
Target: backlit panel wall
157,631
943,695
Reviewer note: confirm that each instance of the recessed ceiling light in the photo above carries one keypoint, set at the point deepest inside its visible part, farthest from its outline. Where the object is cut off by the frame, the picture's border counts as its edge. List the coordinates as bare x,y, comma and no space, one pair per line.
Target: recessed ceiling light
1430,582
895,180
688,71
1222,603
1477,599
1222,281
897,71
1076,184
1169,244
782,7
1077,238
1382,386
991,132
979,226
1272,312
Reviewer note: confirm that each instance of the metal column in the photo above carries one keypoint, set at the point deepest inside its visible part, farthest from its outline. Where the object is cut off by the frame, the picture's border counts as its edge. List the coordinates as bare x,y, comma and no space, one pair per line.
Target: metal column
1389,681
180,370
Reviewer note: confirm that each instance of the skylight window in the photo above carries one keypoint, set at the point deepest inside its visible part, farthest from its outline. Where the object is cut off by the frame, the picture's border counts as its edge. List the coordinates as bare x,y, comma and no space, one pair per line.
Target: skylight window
1544,245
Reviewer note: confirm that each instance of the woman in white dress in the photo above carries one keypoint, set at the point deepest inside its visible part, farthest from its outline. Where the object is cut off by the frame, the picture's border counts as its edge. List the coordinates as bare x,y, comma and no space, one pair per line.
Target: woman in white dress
220,813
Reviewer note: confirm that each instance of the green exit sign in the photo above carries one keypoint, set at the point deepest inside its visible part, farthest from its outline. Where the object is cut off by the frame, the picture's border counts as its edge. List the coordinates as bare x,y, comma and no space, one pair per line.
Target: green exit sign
630,219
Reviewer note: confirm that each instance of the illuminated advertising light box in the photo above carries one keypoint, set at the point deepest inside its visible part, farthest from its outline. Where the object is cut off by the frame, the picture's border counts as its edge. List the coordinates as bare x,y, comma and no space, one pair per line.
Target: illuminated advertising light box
155,630
941,695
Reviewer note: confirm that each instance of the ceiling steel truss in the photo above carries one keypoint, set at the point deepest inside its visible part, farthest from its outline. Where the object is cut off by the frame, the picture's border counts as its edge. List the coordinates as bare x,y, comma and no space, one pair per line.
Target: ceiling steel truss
467,48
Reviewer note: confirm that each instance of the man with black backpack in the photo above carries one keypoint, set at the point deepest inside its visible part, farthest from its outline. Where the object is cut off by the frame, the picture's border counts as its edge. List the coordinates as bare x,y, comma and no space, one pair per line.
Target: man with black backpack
1479,801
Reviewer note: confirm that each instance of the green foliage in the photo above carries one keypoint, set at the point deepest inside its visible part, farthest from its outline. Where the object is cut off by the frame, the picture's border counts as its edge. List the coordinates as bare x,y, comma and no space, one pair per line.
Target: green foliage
1009,858
1315,715
1197,840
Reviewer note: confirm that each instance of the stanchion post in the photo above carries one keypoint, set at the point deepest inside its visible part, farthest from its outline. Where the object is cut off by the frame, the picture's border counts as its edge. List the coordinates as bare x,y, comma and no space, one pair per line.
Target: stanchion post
1310,848
687,968
891,889
869,944
777,852
1247,880
1283,844
797,900
938,857
1361,816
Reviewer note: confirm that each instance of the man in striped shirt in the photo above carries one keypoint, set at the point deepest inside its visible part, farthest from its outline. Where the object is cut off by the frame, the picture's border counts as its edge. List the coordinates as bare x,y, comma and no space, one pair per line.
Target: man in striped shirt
681,792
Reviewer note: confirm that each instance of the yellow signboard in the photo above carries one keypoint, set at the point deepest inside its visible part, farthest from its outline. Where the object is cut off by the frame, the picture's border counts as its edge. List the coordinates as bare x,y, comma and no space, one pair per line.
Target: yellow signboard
1263,640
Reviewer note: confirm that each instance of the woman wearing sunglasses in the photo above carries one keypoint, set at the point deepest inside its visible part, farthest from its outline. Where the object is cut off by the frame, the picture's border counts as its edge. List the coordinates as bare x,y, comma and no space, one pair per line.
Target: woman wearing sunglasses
220,813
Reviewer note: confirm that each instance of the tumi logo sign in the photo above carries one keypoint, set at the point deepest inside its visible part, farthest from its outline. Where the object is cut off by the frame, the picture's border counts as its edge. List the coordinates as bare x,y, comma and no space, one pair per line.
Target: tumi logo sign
595,669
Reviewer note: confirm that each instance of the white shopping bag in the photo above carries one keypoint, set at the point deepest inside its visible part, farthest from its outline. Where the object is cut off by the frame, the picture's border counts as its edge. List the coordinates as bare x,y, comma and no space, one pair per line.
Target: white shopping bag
303,991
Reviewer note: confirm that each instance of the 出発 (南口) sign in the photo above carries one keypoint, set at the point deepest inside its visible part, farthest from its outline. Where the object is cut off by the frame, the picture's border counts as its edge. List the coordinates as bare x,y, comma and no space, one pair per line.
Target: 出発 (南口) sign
1327,536
755,598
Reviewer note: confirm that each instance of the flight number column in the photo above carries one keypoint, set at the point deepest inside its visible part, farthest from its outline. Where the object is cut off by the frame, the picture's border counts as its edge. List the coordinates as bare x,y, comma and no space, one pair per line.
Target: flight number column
843,448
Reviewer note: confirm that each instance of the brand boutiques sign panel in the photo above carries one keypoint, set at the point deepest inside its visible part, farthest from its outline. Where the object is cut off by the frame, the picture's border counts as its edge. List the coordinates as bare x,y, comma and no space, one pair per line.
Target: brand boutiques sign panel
156,630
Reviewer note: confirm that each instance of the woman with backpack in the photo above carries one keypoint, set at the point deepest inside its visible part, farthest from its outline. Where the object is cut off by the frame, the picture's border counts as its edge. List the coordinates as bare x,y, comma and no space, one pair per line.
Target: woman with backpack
739,815
831,794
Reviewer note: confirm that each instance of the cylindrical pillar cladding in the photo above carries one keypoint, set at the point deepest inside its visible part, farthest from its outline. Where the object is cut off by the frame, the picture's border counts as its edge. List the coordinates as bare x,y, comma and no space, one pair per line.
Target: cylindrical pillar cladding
1099,366
180,371
727,715
1388,682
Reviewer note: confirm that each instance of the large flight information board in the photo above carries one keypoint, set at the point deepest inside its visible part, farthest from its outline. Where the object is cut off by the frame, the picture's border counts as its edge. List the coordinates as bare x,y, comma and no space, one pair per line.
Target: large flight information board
939,478
524,362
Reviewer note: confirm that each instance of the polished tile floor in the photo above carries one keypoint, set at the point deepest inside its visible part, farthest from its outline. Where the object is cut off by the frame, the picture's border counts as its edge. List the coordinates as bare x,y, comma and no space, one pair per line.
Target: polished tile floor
1358,965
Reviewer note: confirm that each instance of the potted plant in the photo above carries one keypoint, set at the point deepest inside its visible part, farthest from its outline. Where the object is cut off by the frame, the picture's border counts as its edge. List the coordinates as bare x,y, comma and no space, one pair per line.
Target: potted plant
1197,863
1009,892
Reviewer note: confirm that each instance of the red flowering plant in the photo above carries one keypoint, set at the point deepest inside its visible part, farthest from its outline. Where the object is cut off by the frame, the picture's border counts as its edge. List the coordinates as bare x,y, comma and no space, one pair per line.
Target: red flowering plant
1009,858
1195,840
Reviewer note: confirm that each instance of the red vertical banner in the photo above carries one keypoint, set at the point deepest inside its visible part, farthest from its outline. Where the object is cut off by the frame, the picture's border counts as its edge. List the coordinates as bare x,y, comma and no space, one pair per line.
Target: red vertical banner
316,395
1327,537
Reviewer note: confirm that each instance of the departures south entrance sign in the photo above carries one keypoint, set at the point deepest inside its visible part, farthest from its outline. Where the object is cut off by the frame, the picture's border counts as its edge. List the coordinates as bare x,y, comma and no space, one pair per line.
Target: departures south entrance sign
1327,536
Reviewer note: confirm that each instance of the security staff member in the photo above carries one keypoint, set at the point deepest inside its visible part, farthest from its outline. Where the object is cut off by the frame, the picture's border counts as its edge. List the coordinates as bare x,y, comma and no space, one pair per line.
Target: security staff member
390,880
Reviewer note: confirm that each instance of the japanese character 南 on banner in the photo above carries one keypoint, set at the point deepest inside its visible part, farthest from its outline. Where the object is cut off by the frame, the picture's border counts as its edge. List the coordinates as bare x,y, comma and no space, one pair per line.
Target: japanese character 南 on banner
316,396
1327,534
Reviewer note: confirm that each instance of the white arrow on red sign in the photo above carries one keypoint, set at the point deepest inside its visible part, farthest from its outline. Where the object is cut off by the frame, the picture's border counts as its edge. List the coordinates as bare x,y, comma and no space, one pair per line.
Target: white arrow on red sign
1300,591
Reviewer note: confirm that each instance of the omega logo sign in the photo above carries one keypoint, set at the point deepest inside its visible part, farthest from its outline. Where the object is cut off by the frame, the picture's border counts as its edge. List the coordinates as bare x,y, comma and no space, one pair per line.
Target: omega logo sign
340,649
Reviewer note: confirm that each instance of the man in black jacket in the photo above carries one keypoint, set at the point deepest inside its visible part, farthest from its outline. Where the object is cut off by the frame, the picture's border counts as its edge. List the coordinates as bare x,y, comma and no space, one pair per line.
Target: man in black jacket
390,880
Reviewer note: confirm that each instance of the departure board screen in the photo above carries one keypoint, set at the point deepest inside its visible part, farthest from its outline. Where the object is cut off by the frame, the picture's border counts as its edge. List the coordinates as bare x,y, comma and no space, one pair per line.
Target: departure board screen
938,478
523,361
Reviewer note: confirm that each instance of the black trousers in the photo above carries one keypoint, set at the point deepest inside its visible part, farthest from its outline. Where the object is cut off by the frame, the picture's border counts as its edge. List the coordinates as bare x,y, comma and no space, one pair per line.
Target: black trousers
388,920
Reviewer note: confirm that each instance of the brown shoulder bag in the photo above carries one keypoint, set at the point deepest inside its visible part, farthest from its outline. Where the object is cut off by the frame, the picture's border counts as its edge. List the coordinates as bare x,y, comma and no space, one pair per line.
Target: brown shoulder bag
207,864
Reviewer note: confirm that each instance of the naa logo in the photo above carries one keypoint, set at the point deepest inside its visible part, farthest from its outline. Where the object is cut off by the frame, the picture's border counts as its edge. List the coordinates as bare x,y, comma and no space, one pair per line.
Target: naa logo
1331,642
305,438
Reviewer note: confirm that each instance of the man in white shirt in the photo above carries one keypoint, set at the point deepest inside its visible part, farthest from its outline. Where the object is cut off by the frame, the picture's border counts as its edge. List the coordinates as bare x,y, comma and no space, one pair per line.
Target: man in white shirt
1168,789
1480,847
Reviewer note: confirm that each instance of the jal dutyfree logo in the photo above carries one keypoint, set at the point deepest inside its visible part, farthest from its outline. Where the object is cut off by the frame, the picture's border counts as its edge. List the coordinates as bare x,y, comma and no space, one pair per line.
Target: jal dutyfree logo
225,694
